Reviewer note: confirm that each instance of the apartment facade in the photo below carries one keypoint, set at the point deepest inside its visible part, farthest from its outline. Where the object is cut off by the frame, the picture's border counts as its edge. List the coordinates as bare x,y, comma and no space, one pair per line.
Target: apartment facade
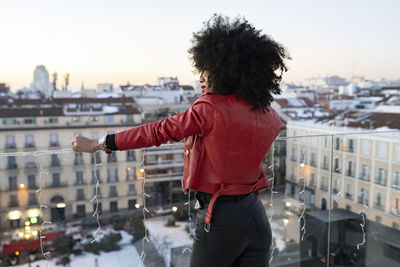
364,166
35,138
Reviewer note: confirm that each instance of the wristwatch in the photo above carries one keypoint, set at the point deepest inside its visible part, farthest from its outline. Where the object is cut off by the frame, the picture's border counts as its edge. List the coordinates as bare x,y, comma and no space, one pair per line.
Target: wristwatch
103,144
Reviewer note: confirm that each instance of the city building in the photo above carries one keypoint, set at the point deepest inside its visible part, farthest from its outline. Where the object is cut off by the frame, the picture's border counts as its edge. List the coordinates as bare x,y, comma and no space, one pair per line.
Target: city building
363,163
33,138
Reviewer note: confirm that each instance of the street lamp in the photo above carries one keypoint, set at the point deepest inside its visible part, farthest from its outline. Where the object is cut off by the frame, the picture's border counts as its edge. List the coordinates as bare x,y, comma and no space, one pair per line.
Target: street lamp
174,209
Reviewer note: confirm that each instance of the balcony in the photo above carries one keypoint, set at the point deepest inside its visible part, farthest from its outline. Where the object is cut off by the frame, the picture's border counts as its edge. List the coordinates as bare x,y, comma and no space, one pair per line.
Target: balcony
54,144
364,178
113,194
30,165
30,145
396,186
11,146
164,192
112,179
12,166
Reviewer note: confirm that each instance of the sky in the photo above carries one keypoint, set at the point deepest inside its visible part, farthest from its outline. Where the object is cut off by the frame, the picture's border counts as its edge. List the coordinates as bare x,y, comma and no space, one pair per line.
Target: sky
137,41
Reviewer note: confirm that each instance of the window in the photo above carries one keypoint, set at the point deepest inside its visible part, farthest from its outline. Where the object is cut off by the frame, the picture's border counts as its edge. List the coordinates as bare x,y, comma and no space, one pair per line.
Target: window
324,162
303,156
398,154
313,161
313,183
113,206
95,158
112,175
10,141
30,161
350,169
12,183
130,173
54,139
131,204
324,183
396,182
349,192
325,141
78,158
363,196
32,199
381,150
79,178
80,211
378,219
53,120
99,208
293,154
32,181
364,172
95,176
56,181
365,148
29,140
336,166
98,191
381,176
379,198
132,189
351,146
130,155
9,121
13,201
113,191
55,161
11,162
30,121
337,143
112,157
80,194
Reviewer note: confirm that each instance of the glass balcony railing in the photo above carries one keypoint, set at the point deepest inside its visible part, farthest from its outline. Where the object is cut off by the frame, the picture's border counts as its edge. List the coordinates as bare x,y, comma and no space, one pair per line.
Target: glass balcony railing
319,215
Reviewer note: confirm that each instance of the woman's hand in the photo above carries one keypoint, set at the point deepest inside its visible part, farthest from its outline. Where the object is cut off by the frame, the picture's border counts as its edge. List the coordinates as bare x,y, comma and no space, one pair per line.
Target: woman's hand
83,144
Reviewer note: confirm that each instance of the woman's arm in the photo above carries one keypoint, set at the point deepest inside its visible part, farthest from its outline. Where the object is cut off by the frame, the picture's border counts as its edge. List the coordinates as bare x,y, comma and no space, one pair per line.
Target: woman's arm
198,119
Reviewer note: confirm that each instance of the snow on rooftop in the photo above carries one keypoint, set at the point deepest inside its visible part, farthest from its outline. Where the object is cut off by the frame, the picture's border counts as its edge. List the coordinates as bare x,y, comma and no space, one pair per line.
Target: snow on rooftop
387,109
296,102
110,109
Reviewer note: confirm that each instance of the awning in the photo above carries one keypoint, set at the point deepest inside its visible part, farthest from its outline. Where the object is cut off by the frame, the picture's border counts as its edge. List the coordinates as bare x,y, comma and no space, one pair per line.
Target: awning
28,245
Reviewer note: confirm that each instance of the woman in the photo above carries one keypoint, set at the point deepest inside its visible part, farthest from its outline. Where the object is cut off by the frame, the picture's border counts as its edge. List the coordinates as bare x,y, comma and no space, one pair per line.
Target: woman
227,133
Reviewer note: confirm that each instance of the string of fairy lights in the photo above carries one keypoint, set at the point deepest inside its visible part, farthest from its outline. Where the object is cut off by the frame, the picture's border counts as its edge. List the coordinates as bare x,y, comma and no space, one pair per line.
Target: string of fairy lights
272,183
302,193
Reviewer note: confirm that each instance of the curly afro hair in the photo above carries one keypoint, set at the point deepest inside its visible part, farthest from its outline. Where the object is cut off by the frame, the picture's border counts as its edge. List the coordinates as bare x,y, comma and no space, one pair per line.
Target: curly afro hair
239,60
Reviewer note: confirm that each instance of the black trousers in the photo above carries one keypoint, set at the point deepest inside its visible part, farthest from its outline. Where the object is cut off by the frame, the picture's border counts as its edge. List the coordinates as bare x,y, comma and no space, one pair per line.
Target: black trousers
239,236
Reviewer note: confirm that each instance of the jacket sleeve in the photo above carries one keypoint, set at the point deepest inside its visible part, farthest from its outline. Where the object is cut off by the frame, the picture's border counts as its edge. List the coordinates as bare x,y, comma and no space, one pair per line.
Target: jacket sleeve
199,119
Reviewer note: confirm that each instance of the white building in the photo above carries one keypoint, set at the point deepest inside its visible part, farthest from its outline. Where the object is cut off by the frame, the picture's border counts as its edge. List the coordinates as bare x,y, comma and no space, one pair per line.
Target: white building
41,81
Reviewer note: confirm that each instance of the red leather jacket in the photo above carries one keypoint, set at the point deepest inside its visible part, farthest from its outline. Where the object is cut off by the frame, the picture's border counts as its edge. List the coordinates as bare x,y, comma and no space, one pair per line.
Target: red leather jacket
225,143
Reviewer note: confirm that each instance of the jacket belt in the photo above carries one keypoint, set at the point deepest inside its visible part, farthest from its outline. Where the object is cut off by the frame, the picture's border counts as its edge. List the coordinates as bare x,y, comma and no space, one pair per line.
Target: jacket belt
234,189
